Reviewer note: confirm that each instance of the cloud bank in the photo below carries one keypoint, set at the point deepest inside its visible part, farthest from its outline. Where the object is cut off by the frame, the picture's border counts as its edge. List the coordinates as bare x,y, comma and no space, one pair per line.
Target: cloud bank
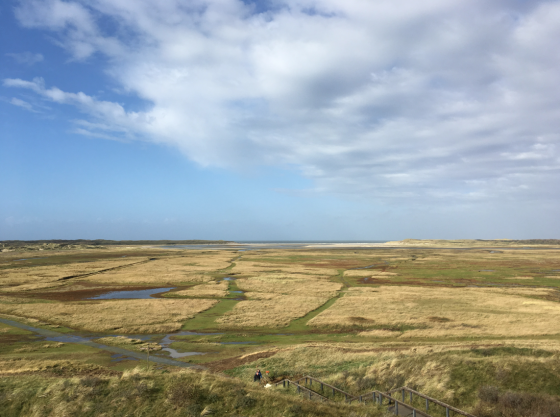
392,100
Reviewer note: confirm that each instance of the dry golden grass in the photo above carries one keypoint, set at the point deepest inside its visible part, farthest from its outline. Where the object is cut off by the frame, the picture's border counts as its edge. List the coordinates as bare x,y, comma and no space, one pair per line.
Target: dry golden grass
380,333
369,273
133,344
30,365
289,284
212,289
123,316
445,311
256,268
21,279
169,270
276,312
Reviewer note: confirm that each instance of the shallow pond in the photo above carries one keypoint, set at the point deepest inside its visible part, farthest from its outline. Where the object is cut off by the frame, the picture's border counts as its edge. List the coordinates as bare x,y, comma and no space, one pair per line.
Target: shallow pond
136,294
166,341
28,259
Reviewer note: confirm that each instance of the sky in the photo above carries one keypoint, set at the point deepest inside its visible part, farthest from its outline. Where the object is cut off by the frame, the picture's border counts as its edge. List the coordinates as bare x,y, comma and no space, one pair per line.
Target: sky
280,119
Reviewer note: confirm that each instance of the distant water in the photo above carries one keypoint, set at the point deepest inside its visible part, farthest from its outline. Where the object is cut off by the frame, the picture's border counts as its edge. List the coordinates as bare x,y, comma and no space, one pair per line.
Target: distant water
244,245
307,242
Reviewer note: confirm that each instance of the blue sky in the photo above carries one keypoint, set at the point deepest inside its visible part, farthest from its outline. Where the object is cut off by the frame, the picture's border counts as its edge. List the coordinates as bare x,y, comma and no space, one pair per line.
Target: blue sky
289,120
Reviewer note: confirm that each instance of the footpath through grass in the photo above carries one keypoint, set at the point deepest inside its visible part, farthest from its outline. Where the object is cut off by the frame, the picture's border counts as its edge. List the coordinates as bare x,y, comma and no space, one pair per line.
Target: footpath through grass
300,325
206,320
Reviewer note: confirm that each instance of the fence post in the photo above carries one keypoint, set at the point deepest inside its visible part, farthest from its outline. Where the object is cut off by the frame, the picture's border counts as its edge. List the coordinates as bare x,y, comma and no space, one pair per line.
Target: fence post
427,405
360,398
396,408
333,391
288,383
446,412
380,399
403,395
413,413
306,381
321,387
309,394
373,396
411,398
284,383
346,398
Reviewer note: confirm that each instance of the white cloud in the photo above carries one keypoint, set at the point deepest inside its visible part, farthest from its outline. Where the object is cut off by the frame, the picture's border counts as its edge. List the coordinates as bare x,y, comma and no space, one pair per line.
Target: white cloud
454,101
27,58
21,103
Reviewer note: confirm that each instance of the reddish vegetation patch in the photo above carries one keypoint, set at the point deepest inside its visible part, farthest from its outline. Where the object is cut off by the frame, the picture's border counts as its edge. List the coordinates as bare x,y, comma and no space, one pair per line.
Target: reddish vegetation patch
13,338
339,264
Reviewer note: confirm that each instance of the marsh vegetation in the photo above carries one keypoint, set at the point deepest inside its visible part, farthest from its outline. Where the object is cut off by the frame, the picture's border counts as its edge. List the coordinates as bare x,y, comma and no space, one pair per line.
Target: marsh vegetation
449,323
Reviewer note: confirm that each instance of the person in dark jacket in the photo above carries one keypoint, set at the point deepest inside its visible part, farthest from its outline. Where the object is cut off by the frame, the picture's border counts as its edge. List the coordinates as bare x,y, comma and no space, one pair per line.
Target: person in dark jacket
257,376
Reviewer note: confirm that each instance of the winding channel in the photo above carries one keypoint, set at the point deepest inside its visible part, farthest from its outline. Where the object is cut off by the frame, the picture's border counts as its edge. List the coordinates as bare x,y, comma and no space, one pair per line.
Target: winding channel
51,335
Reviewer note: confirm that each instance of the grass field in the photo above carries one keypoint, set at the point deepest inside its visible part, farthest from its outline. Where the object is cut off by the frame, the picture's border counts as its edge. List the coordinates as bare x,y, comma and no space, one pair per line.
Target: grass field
476,326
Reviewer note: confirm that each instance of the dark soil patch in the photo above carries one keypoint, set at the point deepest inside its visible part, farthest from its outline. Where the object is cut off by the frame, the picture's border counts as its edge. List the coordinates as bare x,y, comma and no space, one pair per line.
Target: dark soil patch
14,338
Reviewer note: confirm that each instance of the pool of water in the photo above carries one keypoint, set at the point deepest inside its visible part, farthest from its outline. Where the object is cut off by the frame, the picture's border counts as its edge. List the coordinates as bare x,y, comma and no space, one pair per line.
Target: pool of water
238,292
29,259
229,279
364,267
166,341
174,354
136,294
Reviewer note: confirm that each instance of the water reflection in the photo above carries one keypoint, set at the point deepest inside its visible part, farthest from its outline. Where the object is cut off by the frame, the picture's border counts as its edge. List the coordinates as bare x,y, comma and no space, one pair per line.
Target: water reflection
135,294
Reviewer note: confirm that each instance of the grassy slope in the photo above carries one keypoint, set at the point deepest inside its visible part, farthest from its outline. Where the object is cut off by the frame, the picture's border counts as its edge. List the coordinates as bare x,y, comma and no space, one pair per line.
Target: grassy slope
155,394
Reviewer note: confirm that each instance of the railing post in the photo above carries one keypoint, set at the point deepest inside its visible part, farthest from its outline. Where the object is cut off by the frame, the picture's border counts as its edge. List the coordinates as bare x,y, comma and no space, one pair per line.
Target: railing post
413,413
321,387
373,396
446,412
284,383
288,383
411,398
333,391
403,395
309,394
396,408
427,405
346,398
306,381
360,398
380,399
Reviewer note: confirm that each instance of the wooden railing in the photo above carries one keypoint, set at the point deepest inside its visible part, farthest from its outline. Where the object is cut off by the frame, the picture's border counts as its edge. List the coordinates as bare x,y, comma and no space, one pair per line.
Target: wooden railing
377,397
299,388
310,379
447,407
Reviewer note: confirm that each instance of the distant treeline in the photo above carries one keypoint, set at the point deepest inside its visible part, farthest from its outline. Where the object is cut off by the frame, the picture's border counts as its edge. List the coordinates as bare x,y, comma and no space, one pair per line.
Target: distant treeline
103,242
525,241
